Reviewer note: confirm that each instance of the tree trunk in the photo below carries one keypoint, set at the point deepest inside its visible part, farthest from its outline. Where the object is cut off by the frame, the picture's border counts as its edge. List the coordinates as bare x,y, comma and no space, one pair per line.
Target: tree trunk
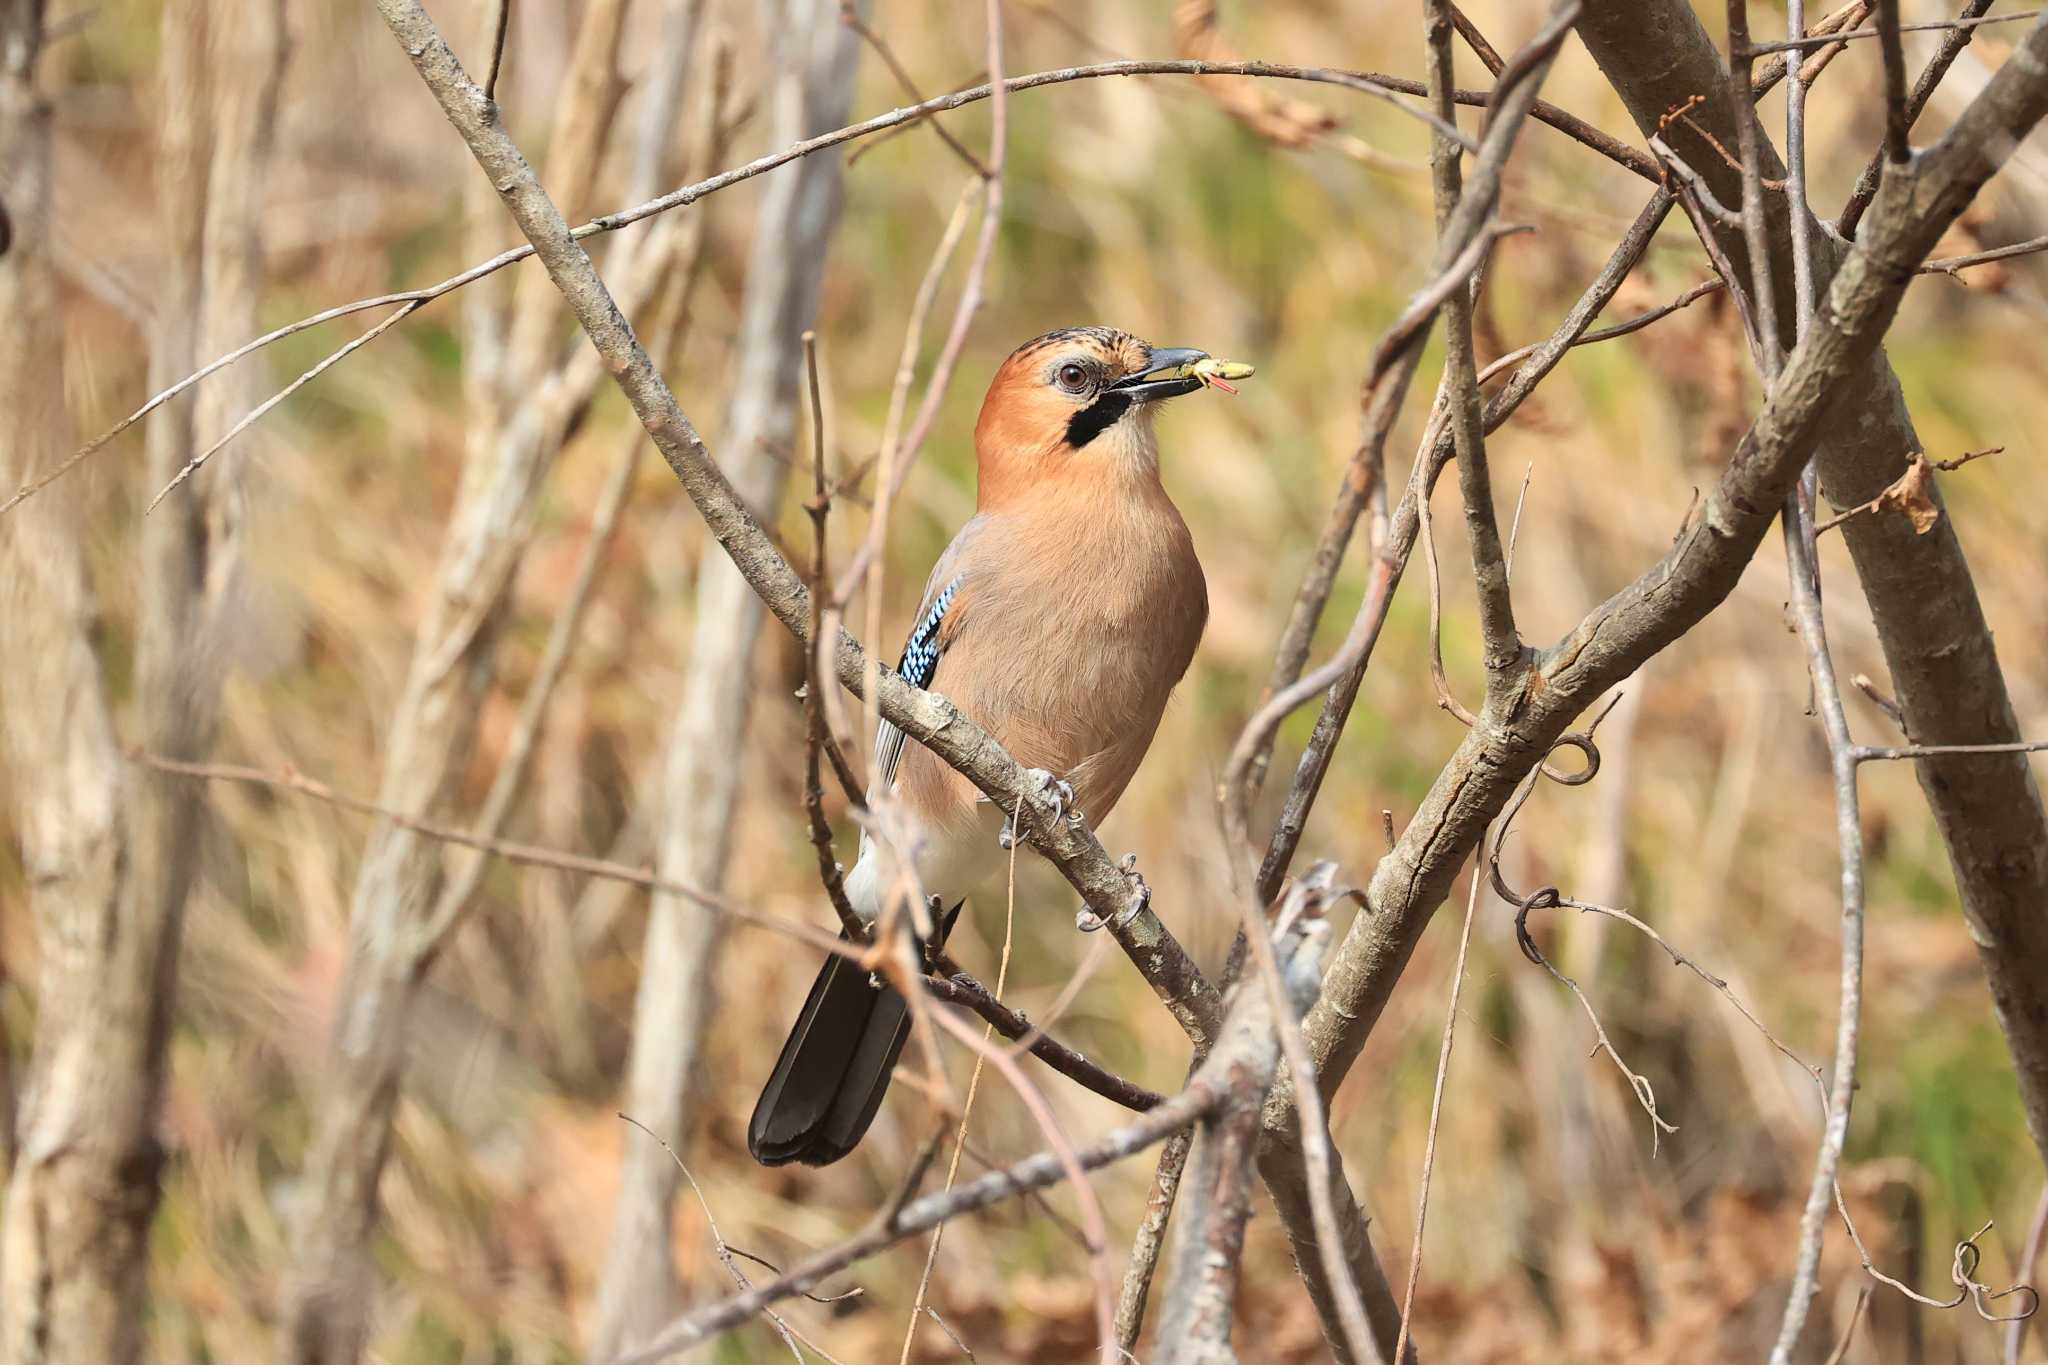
1922,599
110,853
701,780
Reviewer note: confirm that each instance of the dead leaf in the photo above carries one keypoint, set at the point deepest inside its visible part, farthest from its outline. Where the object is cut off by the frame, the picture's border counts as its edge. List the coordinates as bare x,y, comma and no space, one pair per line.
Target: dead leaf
1913,493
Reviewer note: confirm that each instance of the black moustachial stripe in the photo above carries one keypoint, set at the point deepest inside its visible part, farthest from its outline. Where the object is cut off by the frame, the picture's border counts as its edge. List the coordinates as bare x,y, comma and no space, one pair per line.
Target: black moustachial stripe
1098,417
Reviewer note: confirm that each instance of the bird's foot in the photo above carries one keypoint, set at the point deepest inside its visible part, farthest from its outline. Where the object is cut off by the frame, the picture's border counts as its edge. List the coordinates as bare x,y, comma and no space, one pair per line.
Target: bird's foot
1059,790
1087,921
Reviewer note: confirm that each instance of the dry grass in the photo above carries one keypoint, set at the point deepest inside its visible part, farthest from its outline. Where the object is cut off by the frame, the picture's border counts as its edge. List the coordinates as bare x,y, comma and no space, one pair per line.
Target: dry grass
1139,203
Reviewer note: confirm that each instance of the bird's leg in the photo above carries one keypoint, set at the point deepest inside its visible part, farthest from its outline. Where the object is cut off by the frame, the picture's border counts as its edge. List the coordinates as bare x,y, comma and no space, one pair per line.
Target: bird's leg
1058,789
1087,921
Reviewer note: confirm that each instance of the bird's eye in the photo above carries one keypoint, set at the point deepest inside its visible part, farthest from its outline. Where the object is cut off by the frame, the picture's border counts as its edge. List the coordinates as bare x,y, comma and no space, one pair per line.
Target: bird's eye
1073,378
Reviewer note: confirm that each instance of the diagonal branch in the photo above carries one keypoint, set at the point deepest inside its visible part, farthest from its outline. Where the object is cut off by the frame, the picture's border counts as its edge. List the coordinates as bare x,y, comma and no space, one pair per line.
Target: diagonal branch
925,716
1232,1076
1699,572
1502,645
1393,88
1924,602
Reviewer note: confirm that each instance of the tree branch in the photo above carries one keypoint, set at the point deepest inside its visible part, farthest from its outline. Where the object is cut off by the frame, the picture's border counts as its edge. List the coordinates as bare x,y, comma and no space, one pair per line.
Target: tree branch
1694,577
1923,601
1231,1077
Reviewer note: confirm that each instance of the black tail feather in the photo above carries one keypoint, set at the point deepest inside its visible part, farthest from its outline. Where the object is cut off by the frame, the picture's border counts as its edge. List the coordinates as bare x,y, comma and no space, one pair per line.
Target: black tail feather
835,1066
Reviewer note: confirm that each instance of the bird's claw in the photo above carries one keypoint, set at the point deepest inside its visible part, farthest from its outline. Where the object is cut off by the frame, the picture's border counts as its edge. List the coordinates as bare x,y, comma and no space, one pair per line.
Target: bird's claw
1059,789
1087,921
1061,793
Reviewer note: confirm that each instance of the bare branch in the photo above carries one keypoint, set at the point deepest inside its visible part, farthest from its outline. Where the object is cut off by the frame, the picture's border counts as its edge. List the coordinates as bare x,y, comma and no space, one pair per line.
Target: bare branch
718,1243
1968,23
1806,597
1436,1106
512,851
1502,644
1698,573
1150,1238
1924,602
1763,295
1228,1077
963,990
1953,42
1910,492
1398,540
1896,120
501,24
849,14
1389,87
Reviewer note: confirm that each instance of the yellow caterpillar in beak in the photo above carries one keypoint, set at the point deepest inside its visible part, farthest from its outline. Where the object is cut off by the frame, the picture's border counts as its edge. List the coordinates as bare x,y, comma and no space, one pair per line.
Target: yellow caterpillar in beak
1212,372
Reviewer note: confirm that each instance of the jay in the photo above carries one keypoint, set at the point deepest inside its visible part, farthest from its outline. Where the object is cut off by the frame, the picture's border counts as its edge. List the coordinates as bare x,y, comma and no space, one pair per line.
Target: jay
1060,618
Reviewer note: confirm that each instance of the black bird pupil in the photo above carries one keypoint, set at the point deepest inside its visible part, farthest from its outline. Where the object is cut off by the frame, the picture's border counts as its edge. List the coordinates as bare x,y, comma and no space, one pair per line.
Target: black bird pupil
1071,376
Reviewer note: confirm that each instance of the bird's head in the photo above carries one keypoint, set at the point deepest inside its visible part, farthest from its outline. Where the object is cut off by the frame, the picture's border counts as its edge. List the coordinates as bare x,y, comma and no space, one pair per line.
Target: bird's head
1077,404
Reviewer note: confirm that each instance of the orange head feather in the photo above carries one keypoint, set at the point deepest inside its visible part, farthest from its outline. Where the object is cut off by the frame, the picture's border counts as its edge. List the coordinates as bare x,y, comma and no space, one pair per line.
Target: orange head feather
1075,406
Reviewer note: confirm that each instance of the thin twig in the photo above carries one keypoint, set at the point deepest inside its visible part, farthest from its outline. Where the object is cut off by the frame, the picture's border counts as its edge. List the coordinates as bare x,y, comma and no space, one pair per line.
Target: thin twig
1964,25
1446,700
817,739
254,415
1896,120
1756,232
849,14
1864,753
1801,216
1841,1351
1908,492
1092,1222
530,855
963,990
1391,88
1395,536
1827,696
501,24
1548,898
1958,37
931,1254
1436,1107
1392,367
2037,1231
1150,1239
1515,524
1501,643
1949,265
719,1246
1203,1095
1945,265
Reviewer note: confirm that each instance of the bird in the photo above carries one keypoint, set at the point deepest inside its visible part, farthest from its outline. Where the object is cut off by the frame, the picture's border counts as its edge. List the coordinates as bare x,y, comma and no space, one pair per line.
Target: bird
1060,618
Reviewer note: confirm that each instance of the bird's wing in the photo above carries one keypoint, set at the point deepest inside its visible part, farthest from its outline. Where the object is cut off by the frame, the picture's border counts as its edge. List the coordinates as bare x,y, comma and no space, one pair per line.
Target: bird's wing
938,623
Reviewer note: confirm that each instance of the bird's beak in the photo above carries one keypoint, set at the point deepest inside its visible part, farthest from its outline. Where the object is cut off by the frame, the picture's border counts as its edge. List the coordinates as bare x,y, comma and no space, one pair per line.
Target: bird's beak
1167,374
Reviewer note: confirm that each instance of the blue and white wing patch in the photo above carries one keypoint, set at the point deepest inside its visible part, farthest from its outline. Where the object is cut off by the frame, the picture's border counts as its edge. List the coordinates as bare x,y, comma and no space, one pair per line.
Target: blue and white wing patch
919,665
921,654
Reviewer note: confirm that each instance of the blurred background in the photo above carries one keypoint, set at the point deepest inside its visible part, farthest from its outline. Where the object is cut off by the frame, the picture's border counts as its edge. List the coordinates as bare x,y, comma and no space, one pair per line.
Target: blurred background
1286,234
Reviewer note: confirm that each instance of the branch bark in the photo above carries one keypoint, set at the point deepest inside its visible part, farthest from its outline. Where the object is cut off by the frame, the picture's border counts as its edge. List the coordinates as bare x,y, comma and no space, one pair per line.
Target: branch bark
1922,597
1209,1243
